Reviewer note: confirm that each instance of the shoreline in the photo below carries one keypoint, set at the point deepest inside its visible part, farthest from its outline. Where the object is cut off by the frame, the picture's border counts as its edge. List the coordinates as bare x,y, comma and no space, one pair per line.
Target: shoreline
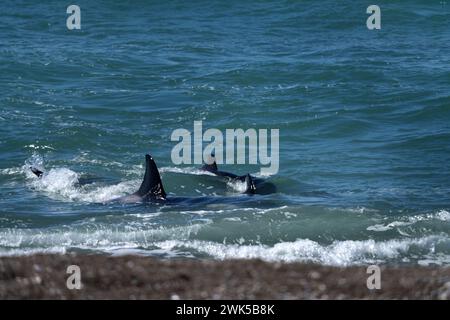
44,276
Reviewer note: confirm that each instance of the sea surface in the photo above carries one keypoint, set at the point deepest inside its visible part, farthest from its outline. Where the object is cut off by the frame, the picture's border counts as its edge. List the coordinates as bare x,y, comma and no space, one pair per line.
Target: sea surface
364,120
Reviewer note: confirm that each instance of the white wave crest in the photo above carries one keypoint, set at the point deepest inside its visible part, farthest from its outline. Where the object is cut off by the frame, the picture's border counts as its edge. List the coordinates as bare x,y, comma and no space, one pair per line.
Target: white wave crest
89,237
441,215
339,253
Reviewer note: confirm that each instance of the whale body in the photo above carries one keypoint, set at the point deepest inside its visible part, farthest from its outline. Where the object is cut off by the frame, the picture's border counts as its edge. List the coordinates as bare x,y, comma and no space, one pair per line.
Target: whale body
152,189
252,185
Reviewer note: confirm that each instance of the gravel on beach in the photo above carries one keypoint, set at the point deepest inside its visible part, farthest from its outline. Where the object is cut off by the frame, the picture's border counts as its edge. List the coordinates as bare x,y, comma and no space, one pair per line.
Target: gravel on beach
44,276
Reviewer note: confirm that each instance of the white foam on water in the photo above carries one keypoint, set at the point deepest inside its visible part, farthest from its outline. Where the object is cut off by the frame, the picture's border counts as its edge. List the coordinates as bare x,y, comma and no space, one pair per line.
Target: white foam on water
59,180
196,212
11,171
359,209
237,185
339,253
26,252
233,219
40,147
89,237
186,170
62,184
441,215
36,160
117,252
219,211
262,175
389,226
439,259
84,157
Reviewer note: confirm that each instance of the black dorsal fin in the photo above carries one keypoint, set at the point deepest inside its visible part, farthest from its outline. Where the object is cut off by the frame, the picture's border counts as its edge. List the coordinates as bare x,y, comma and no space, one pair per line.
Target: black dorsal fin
210,165
152,185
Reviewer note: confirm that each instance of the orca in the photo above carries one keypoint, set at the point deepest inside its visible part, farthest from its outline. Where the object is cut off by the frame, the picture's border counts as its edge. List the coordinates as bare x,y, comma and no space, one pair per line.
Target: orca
151,188
253,185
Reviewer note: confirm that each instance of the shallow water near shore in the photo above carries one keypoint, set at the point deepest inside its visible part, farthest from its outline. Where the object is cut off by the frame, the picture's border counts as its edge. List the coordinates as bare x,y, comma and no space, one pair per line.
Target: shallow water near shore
364,120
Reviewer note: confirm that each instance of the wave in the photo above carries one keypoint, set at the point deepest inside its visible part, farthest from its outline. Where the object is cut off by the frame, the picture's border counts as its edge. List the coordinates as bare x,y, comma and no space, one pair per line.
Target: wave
442,215
146,238
425,250
89,237
339,253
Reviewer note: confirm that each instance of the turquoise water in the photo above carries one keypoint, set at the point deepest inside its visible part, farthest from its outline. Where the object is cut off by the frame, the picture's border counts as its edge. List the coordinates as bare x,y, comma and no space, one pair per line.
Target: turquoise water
364,120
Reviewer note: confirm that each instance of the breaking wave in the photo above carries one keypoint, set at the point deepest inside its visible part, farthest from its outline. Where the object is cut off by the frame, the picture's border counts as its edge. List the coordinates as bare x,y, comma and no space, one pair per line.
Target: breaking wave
339,253
180,241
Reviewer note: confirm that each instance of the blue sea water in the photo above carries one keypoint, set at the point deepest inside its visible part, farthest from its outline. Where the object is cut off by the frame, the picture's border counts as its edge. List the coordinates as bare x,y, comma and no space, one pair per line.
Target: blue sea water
364,120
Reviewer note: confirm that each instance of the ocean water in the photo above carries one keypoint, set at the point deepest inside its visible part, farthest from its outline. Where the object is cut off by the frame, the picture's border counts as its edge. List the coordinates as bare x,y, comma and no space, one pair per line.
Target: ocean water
364,120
